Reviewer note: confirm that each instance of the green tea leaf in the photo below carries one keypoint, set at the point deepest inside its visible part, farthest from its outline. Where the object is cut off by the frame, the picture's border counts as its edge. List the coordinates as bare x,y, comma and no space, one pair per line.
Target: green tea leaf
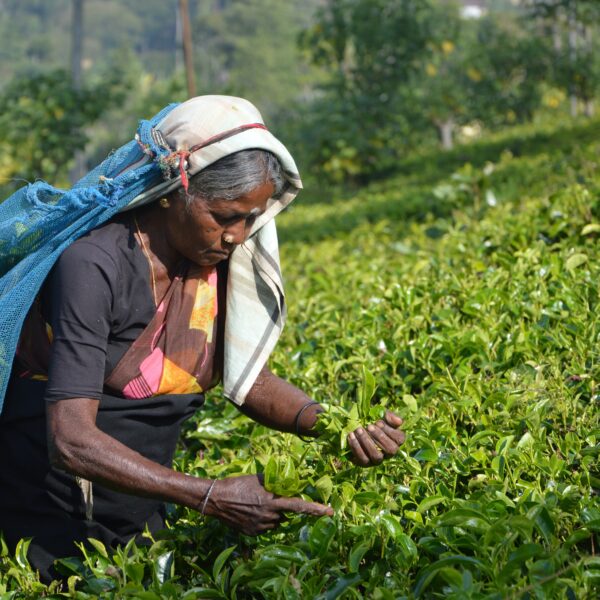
575,260
356,555
407,547
164,567
321,534
410,402
220,561
590,228
99,546
366,391
324,486
391,525
341,585
430,502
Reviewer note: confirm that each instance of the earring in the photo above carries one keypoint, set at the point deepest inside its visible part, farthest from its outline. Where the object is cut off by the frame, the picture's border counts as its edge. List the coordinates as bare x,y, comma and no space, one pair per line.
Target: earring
164,203
228,238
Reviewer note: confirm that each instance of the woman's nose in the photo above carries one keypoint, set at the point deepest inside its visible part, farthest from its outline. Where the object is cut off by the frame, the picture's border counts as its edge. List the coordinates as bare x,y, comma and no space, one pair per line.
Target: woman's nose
236,233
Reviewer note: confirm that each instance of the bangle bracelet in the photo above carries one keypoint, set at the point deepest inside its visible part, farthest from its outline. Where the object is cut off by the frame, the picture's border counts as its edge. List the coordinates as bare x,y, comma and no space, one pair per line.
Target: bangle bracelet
210,489
297,419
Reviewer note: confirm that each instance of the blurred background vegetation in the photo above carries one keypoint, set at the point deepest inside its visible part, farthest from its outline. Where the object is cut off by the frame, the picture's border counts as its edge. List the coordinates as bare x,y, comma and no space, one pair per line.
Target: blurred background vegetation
354,87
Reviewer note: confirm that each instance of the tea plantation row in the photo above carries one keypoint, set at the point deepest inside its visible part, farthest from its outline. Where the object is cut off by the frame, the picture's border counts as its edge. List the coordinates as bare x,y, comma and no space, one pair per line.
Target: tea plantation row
463,294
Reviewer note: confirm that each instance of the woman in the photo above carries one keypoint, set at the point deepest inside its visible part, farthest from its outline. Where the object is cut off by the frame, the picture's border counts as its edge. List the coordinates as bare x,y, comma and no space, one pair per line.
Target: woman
140,315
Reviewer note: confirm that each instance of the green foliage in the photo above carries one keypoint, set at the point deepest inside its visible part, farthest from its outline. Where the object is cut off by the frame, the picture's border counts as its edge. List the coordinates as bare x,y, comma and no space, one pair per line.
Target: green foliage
29,40
354,86
43,120
463,296
401,72
579,73
248,48
369,49
513,68
36,38
143,96
573,27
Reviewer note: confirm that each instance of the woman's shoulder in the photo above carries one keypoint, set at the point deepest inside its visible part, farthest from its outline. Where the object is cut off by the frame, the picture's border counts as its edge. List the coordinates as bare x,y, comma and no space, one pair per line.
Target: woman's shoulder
115,233
102,245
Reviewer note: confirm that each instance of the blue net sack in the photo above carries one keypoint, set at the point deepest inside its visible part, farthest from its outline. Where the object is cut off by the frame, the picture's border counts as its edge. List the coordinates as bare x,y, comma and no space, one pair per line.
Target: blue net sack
39,221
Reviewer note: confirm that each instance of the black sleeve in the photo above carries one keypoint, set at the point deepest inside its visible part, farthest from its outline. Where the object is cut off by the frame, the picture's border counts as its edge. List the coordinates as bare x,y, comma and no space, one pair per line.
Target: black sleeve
79,297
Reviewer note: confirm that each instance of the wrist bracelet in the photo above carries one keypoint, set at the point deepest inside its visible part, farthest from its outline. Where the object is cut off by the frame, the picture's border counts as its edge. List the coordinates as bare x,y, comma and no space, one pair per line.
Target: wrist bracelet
297,419
210,489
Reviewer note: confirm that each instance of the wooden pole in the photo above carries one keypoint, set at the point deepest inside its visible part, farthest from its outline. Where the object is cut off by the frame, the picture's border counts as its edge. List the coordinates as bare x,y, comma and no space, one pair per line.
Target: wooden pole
78,170
187,47
76,42
573,39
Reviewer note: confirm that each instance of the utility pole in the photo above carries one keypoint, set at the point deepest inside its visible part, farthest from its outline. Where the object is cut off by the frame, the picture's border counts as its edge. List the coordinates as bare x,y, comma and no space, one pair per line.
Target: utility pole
76,42
187,47
573,39
588,37
78,170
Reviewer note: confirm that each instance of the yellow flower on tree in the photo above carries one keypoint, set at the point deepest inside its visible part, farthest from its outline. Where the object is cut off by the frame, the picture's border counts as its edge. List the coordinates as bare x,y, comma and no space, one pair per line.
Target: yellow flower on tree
447,47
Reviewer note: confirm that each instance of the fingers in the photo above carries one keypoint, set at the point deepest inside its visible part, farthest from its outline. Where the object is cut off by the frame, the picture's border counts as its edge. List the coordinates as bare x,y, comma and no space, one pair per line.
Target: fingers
359,456
393,419
364,448
396,436
381,439
386,443
261,526
298,505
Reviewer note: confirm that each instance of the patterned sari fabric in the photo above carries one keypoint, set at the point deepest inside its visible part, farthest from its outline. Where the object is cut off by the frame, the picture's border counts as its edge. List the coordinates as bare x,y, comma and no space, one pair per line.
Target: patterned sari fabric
175,354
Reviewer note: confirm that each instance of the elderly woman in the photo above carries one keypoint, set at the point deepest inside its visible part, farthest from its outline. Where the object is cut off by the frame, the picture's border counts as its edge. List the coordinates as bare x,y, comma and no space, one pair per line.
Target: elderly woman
167,283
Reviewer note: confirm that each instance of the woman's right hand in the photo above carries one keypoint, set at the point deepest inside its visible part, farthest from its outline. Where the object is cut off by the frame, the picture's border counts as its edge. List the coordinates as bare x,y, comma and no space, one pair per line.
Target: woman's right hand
244,504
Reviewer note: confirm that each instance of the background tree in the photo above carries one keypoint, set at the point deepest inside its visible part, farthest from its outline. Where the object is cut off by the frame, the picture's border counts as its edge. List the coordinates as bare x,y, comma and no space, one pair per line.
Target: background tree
487,70
573,25
249,48
369,82
43,121
369,49
443,86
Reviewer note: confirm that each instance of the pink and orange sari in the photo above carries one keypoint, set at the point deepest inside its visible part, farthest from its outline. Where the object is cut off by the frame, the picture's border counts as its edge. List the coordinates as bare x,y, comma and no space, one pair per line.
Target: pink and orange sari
175,353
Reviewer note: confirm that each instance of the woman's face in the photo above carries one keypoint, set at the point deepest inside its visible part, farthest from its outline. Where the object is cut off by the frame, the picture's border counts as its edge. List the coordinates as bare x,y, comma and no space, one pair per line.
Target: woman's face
207,232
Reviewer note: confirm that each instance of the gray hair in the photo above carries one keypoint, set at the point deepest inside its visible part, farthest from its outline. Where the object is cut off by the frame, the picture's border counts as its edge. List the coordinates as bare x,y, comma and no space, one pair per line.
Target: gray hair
237,174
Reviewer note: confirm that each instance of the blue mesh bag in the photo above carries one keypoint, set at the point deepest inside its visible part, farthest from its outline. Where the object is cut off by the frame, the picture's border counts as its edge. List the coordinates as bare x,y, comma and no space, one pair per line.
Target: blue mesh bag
39,221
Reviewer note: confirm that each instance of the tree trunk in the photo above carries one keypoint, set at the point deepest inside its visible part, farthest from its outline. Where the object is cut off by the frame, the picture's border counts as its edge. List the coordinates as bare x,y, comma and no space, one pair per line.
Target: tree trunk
572,54
588,37
556,37
188,52
178,39
78,170
574,105
76,42
446,129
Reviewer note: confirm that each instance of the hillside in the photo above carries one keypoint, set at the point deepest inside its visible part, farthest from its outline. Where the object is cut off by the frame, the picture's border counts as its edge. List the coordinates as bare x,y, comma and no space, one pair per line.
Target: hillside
466,285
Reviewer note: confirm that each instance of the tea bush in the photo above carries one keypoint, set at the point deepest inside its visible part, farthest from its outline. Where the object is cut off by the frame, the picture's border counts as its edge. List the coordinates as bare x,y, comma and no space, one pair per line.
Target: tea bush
463,294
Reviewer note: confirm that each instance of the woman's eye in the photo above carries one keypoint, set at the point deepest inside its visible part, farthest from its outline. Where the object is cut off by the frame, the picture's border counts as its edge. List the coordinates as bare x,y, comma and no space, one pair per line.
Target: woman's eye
226,219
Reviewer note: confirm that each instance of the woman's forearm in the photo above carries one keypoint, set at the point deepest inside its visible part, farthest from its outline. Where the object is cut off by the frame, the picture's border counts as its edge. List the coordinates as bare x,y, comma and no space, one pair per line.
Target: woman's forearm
79,447
276,403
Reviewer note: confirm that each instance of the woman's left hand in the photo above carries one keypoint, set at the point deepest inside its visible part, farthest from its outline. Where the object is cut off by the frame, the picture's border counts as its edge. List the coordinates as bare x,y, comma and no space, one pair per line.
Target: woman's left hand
372,444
